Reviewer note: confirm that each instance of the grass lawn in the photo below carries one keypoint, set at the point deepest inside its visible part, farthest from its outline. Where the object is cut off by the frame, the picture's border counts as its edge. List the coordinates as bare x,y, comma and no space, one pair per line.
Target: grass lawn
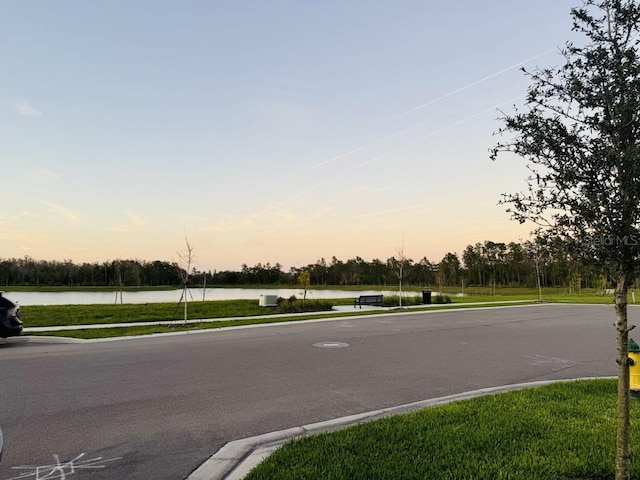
146,330
564,431
556,298
49,315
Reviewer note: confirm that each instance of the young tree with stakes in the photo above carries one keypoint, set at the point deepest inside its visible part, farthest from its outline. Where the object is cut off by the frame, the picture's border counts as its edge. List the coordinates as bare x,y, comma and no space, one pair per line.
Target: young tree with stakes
186,259
402,259
304,279
580,136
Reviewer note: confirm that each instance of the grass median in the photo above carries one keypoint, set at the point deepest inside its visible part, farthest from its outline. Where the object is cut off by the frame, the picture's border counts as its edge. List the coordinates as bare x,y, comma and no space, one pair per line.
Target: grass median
54,315
179,326
564,431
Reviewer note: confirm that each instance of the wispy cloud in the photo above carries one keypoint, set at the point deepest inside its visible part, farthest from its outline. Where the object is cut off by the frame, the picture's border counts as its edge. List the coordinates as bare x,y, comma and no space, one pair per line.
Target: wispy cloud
62,211
42,175
136,220
384,214
283,218
235,223
9,219
136,223
27,238
25,108
193,218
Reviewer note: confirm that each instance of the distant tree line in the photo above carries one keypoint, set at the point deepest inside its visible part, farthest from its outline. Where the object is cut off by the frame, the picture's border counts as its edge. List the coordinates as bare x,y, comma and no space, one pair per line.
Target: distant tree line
29,272
488,264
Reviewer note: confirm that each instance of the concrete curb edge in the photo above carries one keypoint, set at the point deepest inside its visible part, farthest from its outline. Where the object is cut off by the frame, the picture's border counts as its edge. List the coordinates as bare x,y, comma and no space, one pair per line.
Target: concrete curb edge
236,458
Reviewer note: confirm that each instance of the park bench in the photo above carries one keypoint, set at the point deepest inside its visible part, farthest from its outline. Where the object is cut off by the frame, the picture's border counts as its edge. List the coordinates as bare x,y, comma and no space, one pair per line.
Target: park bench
368,300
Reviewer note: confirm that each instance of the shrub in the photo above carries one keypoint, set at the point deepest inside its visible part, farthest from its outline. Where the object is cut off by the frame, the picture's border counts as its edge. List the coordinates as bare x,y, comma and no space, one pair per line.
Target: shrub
441,299
293,305
280,301
394,300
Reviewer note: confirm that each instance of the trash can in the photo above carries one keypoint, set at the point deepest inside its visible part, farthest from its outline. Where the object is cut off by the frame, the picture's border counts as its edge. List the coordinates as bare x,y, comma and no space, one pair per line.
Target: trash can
426,297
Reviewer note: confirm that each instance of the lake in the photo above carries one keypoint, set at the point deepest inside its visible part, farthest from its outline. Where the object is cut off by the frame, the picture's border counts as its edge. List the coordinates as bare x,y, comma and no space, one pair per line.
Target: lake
168,296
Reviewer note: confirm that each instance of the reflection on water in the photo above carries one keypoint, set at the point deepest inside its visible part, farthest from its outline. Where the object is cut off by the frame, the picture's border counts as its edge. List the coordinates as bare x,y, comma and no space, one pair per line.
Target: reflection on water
169,296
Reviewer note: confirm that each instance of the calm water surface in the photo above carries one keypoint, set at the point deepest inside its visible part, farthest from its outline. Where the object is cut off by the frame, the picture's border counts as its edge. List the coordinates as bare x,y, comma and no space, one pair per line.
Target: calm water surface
195,294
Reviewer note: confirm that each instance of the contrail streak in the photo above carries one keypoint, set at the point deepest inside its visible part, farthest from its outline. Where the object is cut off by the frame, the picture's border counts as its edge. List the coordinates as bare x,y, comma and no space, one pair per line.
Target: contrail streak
466,119
400,132
361,147
440,130
307,206
473,84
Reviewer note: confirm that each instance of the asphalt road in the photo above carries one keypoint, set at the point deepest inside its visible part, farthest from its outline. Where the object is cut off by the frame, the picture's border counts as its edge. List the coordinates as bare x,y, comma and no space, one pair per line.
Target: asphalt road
156,408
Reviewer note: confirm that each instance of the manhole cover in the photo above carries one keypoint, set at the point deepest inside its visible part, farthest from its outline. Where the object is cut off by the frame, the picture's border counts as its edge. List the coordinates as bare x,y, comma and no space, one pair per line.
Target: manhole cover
330,344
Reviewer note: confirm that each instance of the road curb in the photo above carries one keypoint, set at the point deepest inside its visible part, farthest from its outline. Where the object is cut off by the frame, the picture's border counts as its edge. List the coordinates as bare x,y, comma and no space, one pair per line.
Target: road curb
45,340
237,458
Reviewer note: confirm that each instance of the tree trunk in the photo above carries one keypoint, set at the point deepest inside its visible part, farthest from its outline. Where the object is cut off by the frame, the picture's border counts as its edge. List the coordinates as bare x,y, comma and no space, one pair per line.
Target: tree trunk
185,304
623,455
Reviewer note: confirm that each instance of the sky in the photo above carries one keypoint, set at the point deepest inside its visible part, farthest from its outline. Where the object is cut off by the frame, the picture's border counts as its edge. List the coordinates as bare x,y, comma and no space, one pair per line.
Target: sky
280,131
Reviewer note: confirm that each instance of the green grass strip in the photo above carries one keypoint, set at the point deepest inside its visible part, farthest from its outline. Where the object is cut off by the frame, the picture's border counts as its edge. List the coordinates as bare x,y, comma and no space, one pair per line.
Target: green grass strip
559,432
178,327
54,315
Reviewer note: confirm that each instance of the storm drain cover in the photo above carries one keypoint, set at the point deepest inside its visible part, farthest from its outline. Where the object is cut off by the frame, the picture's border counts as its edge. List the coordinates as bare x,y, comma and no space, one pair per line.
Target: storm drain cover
330,344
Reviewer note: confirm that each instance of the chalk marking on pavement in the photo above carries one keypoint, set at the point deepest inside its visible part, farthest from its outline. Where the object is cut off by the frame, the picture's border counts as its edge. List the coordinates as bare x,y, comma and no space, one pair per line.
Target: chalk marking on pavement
61,470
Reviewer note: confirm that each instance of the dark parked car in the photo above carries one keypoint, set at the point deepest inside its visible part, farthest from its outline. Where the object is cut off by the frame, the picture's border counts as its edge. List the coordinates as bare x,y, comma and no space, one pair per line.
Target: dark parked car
10,324
1,444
